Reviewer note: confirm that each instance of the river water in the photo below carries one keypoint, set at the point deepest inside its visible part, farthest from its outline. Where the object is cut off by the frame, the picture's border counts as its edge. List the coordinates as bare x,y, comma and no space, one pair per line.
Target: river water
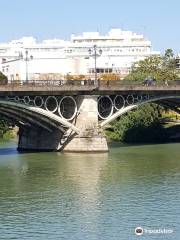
90,196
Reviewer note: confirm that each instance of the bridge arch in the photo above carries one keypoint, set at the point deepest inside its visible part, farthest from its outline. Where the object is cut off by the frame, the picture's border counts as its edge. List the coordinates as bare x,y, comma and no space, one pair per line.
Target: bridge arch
32,115
135,105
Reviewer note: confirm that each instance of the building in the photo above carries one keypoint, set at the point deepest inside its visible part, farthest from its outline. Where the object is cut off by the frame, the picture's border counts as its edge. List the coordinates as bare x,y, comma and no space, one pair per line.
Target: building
53,59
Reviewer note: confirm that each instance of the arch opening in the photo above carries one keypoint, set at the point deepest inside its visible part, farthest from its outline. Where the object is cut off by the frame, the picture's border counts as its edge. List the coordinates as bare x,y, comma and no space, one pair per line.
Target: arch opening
119,102
51,104
105,107
130,99
38,101
67,108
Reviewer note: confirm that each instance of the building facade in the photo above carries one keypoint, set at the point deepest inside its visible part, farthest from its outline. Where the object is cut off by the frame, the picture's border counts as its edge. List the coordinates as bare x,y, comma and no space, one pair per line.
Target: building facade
54,59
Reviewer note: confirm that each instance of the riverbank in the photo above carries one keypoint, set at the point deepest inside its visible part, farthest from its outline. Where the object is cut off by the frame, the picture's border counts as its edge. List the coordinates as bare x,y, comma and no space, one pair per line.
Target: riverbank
157,133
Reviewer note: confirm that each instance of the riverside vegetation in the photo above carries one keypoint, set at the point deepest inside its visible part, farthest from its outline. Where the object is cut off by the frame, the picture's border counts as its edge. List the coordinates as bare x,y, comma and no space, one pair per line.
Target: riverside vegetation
6,130
143,125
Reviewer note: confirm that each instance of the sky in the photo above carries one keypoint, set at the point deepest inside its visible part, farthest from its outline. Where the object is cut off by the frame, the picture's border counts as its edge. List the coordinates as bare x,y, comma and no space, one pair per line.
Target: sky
157,20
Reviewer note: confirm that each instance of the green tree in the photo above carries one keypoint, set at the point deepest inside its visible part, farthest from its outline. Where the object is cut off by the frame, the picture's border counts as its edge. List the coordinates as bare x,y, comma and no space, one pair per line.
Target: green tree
3,78
141,125
169,53
4,127
160,68
169,59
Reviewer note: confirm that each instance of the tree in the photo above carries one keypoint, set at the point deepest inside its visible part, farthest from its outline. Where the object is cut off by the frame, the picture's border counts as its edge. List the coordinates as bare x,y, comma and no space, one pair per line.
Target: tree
160,68
169,54
4,127
3,78
141,125
169,59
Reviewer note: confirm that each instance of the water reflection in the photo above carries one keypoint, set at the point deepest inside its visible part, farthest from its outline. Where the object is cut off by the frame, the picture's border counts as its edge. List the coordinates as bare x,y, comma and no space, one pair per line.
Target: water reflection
85,171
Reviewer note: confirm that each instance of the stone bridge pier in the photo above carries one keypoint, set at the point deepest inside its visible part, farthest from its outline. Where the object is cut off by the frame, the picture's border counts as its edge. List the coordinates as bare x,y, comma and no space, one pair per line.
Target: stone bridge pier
90,137
38,139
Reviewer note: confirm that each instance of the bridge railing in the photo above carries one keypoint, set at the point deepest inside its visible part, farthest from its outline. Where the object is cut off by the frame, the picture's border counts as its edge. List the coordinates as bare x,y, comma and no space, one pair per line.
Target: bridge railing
50,83
57,83
139,83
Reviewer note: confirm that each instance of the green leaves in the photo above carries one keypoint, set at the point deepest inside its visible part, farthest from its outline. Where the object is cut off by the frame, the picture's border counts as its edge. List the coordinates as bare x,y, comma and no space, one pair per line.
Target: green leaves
2,77
158,67
4,127
141,125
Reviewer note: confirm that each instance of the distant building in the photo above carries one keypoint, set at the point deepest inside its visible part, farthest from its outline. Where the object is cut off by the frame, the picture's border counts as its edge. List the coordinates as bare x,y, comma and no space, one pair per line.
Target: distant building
54,59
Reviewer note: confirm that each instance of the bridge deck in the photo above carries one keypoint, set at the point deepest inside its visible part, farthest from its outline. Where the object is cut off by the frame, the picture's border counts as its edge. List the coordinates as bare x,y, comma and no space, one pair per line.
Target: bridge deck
115,87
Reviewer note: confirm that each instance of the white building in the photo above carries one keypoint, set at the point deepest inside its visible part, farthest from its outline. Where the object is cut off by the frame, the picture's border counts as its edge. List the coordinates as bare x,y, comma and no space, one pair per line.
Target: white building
53,59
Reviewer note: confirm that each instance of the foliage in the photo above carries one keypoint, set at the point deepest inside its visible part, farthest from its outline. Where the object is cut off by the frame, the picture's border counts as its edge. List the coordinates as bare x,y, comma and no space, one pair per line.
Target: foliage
158,67
8,135
4,127
169,61
141,125
7,130
3,78
169,54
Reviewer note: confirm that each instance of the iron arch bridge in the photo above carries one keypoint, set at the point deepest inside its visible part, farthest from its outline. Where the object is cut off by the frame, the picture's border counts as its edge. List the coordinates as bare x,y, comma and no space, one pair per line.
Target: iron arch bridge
71,117
60,111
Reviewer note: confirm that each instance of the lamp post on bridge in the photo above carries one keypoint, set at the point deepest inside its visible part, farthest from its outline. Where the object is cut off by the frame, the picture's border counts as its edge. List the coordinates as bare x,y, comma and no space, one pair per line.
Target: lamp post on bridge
26,59
95,52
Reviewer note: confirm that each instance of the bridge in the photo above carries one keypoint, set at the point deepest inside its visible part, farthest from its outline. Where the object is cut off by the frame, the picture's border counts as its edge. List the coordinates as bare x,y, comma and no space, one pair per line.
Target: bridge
70,115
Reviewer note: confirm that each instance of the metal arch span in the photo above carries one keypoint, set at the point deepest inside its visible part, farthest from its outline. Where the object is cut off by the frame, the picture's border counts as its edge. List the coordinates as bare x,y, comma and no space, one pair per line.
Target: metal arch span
50,118
22,119
133,106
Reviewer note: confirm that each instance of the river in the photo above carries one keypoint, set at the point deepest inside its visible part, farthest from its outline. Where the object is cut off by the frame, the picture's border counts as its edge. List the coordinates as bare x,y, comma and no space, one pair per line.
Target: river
90,196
